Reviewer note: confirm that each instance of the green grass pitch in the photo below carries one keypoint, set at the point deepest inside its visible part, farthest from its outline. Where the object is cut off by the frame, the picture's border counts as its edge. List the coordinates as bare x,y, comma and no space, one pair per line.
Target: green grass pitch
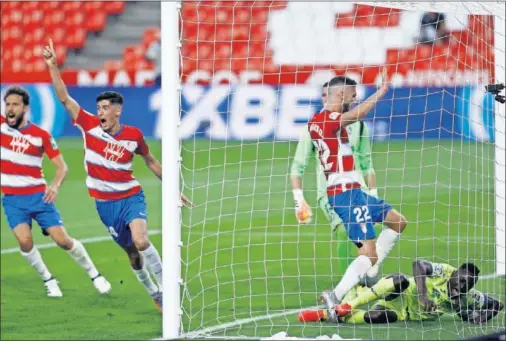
244,256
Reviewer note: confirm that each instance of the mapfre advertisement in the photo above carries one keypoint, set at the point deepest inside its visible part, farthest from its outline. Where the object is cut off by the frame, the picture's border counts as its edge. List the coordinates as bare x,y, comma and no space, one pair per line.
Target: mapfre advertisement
260,112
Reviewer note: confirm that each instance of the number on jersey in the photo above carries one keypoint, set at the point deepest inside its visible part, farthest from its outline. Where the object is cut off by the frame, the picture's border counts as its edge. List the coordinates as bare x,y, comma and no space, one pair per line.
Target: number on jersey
324,154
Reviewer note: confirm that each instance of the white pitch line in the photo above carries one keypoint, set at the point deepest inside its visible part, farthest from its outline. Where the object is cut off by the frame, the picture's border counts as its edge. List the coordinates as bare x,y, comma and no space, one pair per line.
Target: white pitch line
248,320
232,324
84,241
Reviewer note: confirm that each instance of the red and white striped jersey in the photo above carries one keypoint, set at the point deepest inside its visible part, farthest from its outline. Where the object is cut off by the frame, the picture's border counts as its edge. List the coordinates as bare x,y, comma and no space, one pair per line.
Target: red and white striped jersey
21,155
108,158
334,151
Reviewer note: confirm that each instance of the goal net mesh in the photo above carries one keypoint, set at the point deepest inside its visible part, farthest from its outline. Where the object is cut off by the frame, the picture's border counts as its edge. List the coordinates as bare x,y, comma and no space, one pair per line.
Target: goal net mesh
252,75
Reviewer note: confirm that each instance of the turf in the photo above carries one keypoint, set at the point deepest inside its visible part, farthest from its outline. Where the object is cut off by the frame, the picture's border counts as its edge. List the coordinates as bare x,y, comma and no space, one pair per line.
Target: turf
245,256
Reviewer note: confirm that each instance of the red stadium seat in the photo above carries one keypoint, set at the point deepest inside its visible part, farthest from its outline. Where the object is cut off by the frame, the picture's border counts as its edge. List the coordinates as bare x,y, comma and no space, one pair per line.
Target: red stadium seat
30,5
96,22
114,7
150,35
76,38
58,34
216,35
93,7
10,5
75,18
50,6
71,6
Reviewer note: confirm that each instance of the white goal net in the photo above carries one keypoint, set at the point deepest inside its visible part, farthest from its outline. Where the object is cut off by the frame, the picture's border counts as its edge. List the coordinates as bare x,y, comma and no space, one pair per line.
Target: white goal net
250,77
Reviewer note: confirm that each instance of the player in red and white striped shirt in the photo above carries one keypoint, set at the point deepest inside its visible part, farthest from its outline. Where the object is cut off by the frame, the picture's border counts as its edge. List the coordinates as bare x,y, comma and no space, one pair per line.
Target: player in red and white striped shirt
109,151
25,194
358,210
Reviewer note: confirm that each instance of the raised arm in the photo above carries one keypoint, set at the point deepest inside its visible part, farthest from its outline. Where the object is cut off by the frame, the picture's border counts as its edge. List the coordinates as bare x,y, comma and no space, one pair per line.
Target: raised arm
366,106
421,270
61,90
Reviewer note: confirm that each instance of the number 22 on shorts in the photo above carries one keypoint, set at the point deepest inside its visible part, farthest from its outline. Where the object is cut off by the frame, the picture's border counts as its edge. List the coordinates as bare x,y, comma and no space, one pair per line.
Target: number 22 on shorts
362,216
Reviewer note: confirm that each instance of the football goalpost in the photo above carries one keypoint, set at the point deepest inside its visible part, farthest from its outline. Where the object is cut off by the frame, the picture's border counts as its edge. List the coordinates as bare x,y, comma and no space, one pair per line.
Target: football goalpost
239,80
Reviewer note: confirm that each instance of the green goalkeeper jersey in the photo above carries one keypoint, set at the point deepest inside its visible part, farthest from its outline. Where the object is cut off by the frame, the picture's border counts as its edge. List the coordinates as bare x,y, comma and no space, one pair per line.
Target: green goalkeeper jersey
361,147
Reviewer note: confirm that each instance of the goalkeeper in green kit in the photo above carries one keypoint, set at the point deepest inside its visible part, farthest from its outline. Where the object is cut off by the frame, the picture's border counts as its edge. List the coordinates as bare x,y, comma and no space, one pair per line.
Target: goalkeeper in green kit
361,146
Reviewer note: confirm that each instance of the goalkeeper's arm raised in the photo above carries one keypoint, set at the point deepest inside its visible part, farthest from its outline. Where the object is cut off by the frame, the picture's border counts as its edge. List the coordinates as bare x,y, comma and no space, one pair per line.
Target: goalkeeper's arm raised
364,158
303,153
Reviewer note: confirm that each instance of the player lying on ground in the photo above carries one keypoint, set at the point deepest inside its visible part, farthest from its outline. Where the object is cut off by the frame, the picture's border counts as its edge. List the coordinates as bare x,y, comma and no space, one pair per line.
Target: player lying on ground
109,151
358,210
435,289
306,150
26,196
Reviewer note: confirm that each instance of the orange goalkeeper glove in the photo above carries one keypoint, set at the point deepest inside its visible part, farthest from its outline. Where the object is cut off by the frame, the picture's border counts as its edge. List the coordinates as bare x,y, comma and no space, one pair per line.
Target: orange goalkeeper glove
302,209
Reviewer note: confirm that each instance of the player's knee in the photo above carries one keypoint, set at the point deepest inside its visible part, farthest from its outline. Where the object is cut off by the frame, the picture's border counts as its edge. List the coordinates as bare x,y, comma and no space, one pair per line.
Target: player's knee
62,239
402,223
368,249
65,243
141,243
26,244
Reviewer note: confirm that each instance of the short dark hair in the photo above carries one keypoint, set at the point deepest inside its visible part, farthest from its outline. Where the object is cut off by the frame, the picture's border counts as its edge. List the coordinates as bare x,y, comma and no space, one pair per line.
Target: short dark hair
112,96
341,80
325,84
471,269
17,90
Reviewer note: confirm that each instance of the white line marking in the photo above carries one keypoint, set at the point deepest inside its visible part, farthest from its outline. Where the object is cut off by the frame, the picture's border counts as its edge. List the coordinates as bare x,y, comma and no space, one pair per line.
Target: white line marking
240,322
84,241
203,332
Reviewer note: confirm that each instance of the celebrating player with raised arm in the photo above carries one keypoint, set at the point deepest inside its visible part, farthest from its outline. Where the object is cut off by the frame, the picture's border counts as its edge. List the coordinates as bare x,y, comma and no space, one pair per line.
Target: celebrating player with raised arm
26,196
306,150
109,151
358,210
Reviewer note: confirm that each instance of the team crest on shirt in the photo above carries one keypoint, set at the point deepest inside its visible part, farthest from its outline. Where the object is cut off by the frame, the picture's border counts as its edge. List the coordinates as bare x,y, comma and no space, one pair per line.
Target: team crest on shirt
114,151
20,144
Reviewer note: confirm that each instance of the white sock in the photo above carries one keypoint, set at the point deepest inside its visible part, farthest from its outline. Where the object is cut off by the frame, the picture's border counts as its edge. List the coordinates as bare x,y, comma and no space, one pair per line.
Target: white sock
143,277
81,257
34,258
355,272
384,245
153,263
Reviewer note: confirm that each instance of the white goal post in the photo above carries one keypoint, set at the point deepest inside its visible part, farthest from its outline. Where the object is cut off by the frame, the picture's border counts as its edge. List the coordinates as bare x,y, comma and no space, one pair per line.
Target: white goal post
172,230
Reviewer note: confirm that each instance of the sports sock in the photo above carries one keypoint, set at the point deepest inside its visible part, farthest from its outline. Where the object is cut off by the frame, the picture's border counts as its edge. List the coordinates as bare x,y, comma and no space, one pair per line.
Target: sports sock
357,317
352,276
34,258
81,257
143,277
153,263
384,287
384,245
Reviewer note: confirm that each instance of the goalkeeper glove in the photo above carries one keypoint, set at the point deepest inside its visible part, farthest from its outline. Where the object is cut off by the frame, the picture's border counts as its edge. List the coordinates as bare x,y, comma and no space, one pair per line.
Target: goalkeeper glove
302,210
